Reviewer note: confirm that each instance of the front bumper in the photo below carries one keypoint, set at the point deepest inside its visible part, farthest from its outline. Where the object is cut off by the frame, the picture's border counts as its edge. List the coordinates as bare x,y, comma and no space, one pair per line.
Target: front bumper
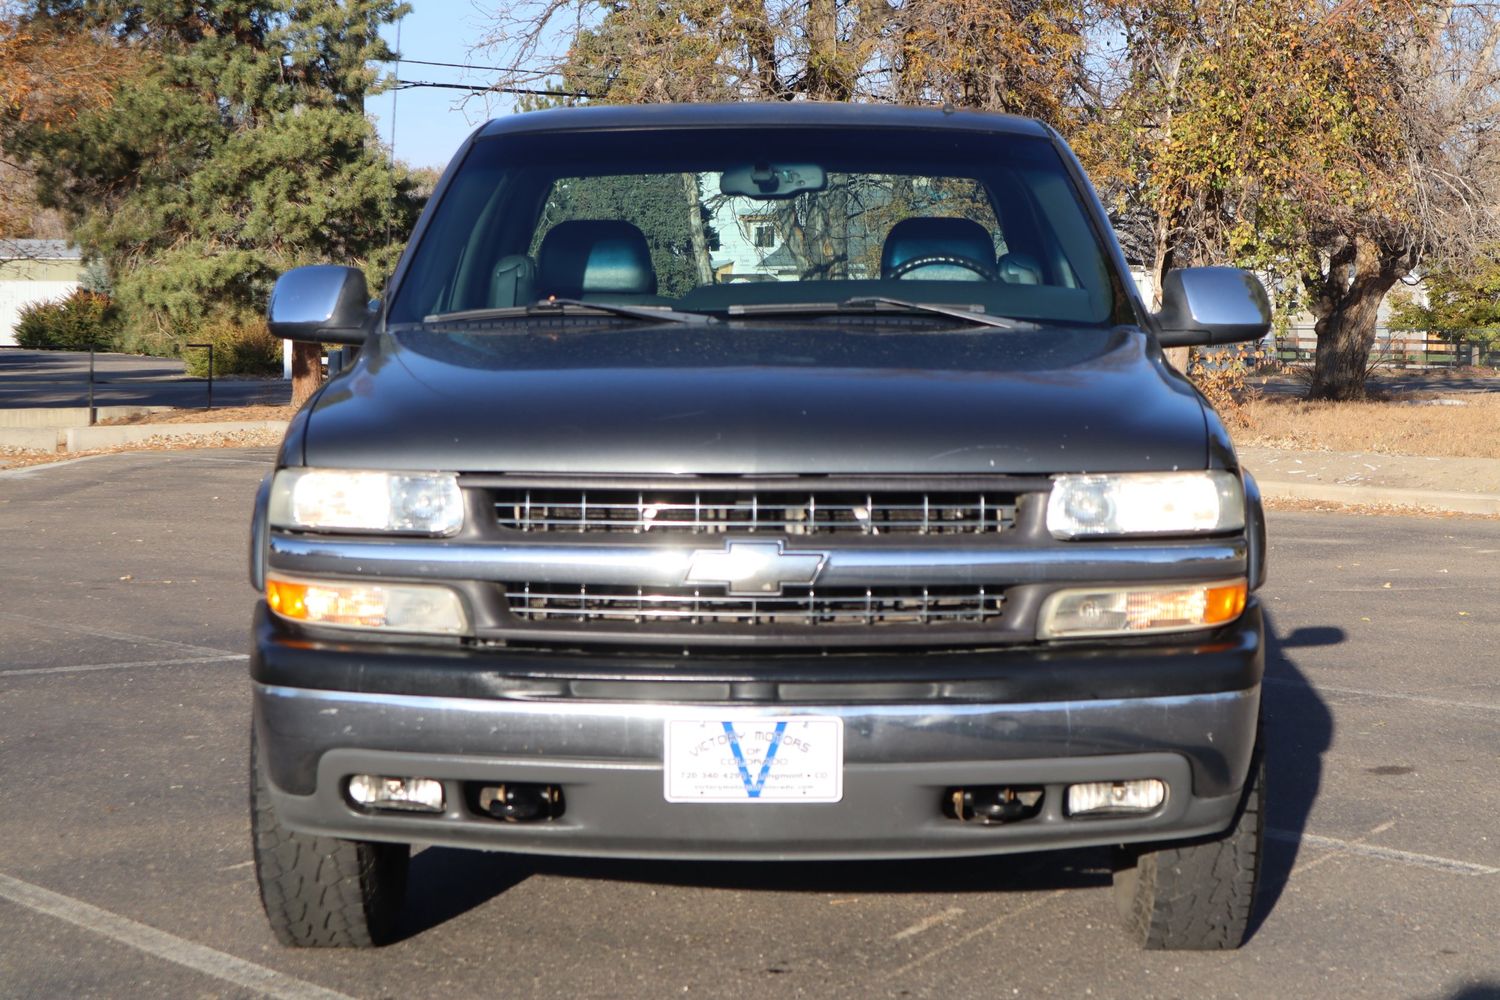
899,755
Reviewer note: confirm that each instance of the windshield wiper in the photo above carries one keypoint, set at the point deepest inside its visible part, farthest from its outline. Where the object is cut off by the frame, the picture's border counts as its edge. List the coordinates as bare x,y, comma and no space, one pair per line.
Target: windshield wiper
574,307
970,314
876,303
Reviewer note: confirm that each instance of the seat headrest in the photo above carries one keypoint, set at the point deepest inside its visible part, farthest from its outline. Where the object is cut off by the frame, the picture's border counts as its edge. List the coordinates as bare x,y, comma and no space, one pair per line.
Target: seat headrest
931,236
590,256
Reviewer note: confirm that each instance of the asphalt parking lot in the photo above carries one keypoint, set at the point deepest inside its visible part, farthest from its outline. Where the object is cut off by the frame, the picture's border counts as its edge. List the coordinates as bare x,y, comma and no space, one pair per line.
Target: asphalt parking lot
124,851
61,378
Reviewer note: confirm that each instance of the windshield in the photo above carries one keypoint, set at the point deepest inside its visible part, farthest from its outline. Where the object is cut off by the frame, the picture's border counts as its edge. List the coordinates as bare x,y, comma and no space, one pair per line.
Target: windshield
750,221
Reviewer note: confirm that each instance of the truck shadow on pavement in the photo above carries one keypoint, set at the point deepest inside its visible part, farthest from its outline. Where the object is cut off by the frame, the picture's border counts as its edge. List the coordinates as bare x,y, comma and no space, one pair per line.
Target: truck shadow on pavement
1299,730
445,883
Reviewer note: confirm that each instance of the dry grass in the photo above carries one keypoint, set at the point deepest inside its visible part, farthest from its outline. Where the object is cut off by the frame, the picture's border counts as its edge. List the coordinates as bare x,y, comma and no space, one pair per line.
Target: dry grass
1403,426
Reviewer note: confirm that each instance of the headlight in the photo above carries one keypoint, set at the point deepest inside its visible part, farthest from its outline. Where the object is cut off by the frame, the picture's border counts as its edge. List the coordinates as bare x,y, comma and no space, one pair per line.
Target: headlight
1134,610
421,503
395,607
1145,503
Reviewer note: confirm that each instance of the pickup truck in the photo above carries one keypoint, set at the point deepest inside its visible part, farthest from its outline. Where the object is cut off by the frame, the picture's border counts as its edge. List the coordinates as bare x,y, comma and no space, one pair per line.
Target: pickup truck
759,482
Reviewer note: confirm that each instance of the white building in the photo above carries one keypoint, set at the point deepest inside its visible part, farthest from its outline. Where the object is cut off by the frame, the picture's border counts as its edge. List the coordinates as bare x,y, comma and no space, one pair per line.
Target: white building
34,271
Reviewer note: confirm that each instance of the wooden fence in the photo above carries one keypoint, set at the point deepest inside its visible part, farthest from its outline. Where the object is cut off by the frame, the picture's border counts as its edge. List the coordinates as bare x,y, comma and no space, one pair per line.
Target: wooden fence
1399,349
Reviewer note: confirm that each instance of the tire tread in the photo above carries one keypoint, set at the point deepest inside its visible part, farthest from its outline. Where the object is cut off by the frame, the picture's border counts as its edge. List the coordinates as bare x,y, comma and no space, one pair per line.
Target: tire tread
323,892
1198,895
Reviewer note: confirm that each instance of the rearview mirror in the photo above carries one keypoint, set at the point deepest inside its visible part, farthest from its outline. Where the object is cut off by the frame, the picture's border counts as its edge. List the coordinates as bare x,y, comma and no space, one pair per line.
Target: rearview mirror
773,180
1212,305
321,303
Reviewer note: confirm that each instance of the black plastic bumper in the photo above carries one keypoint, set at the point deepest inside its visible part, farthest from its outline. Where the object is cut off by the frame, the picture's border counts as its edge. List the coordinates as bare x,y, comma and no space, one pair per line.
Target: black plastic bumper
1230,660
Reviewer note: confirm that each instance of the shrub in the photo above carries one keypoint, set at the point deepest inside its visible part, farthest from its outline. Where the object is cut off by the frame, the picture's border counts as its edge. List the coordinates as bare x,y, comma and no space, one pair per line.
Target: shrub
241,347
72,324
1221,376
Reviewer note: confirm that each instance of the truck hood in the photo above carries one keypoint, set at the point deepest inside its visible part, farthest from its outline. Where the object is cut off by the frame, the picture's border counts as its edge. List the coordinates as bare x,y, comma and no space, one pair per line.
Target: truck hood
759,400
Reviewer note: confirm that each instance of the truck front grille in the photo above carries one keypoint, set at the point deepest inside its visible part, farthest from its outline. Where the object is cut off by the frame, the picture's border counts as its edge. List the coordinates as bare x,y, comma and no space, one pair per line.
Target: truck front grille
791,512
798,606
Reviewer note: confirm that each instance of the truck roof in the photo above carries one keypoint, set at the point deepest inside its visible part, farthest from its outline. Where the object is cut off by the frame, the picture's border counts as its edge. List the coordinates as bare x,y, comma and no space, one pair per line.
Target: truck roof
810,114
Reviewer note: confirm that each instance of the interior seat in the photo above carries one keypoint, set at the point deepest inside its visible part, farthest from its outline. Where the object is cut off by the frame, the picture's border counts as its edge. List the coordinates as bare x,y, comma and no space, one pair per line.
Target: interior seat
1019,269
940,244
596,258
513,281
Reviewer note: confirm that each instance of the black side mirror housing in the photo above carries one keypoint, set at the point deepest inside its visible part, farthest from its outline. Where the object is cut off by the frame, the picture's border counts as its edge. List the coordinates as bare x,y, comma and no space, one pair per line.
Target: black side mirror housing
321,303
1212,305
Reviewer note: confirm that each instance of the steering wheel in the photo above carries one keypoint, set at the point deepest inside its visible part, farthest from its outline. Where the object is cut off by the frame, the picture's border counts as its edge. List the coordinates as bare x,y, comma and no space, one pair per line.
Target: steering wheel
984,269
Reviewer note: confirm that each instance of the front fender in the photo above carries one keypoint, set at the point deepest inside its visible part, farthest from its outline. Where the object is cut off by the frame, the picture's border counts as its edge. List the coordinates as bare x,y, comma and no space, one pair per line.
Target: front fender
260,535
1255,532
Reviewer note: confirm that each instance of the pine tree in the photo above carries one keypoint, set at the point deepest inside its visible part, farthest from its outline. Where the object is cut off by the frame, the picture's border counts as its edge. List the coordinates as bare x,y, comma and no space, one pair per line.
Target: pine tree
237,149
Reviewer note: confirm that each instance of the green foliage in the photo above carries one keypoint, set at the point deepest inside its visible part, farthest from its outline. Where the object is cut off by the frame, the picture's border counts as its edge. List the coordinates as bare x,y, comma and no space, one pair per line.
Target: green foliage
1463,303
237,149
240,348
75,323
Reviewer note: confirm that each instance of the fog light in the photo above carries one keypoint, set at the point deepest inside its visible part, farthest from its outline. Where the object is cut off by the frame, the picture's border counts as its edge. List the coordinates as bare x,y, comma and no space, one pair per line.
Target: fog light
1106,798
410,794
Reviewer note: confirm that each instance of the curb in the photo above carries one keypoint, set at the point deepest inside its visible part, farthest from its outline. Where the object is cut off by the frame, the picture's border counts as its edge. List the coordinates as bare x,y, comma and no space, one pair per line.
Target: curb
32,438
89,438
1448,500
61,418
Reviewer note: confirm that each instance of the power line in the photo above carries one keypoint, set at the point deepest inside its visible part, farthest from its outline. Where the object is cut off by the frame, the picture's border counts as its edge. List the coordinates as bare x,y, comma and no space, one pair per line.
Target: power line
453,65
410,84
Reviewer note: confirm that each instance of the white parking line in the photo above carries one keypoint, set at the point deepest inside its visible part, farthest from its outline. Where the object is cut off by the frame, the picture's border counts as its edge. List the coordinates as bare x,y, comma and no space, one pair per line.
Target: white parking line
189,954
928,923
107,634
89,667
964,939
25,471
1449,865
1420,699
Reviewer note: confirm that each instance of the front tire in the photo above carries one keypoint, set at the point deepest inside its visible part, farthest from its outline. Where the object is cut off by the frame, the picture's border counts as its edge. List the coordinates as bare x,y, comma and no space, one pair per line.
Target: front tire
322,892
1197,895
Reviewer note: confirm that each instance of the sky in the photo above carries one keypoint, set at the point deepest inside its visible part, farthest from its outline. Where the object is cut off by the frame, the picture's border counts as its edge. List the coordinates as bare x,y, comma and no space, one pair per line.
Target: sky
431,123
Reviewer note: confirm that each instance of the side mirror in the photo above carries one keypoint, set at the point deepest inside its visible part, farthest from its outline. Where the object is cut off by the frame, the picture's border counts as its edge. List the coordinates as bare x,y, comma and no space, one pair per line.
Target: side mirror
1212,305
322,303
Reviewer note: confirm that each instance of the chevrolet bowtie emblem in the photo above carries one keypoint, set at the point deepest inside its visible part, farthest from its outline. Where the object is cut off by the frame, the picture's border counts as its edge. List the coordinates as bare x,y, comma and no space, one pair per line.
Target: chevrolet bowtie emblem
750,569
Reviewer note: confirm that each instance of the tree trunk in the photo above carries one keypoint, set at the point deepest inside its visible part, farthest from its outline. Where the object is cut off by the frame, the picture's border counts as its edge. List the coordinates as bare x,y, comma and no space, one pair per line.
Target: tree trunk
824,80
307,371
1168,220
1345,304
699,239
1346,335
1164,258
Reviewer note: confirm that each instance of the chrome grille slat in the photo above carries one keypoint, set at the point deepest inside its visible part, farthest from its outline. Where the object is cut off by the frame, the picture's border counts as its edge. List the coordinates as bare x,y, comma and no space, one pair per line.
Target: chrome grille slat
784,512
801,607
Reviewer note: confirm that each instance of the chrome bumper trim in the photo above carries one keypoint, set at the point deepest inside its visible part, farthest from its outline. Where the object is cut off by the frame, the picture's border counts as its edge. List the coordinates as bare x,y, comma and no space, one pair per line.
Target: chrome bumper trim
660,565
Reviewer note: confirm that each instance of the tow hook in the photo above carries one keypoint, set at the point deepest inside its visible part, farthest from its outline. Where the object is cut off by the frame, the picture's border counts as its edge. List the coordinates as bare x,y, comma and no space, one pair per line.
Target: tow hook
521,802
993,804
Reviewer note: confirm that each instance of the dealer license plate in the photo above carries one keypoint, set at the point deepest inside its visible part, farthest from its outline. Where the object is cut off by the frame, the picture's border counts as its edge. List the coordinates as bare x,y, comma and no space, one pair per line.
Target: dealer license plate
750,759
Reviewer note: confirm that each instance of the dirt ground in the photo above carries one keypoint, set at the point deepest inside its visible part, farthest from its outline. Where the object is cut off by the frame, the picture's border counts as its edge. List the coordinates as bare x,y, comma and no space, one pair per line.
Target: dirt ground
219,415
15,458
